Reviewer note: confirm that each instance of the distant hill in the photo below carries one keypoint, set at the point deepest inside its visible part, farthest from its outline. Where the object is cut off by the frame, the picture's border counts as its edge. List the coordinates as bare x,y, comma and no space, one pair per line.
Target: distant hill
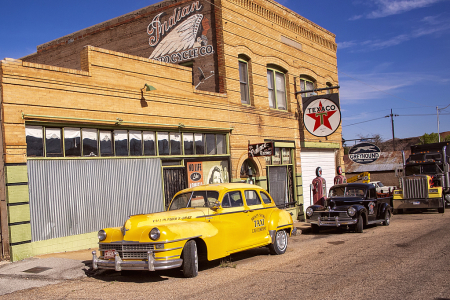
400,144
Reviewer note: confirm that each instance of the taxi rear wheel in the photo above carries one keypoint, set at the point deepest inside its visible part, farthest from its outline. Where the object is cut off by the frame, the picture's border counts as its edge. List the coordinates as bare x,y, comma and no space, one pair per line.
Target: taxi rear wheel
190,259
279,246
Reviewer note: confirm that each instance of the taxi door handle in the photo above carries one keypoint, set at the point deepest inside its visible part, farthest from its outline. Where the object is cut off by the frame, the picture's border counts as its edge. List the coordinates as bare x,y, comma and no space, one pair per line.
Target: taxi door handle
246,211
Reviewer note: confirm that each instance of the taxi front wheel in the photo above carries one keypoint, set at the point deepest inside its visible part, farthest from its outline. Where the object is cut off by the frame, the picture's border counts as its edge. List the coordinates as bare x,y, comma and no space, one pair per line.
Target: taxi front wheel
280,244
190,259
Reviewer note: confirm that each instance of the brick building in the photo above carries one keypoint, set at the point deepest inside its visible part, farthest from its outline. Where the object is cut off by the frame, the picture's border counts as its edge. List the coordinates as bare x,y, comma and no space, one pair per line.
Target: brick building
114,119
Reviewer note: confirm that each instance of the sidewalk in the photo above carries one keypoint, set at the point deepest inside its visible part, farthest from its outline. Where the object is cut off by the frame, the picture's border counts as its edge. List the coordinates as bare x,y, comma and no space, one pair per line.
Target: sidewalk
54,268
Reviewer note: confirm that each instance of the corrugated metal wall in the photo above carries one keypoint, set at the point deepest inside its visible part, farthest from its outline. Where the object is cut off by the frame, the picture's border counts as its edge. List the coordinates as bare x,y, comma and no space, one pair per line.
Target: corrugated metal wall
69,197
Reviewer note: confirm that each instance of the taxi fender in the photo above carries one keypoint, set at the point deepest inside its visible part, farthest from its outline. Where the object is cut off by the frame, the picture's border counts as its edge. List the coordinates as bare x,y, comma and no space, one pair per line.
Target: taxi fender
112,235
280,219
181,231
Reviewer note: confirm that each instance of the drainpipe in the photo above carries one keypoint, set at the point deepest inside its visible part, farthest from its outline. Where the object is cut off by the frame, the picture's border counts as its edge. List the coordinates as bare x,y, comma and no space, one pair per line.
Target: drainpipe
4,234
446,184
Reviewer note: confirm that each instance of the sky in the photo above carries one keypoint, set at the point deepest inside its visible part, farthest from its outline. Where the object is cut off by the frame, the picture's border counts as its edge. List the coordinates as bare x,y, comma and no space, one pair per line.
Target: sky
392,54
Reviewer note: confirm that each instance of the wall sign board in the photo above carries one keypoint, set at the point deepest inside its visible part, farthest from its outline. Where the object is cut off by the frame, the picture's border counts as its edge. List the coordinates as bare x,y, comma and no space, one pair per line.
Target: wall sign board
364,153
321,114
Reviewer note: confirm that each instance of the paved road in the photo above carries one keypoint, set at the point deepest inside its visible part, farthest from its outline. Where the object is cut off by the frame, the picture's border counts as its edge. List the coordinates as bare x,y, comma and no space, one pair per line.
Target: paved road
410,259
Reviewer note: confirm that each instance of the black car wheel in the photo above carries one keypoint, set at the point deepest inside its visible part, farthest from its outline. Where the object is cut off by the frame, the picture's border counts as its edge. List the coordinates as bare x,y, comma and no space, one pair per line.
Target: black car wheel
190,259
359,225
441,210
279,246
315,228
387,218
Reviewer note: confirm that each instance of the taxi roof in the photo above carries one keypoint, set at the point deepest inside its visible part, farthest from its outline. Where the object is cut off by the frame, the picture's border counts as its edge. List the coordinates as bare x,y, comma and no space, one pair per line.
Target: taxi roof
223,186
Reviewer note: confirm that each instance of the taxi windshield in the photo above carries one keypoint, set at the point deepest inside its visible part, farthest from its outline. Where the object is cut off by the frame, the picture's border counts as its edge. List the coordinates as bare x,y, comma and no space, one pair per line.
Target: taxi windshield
194,199
347,192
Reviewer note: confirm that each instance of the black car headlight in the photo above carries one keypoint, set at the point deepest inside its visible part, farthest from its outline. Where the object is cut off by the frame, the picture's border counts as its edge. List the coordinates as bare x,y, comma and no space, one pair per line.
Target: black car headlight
154,234
351,211
101,235
309,211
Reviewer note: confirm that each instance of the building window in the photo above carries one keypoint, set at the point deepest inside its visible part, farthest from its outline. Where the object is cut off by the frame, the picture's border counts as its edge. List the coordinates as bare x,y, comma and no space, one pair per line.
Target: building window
135,143
149,143
276,83
90,142
243,80
306,84
35,141
106,143
53,142
72,141
121,142
329,91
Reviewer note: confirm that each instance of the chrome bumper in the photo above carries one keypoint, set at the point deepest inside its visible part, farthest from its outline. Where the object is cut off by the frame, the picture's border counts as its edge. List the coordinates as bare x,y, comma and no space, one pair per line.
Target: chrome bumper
151,264
333,223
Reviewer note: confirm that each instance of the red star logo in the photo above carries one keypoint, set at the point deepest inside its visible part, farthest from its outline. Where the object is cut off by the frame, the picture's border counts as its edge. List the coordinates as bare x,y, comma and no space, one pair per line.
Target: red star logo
322,117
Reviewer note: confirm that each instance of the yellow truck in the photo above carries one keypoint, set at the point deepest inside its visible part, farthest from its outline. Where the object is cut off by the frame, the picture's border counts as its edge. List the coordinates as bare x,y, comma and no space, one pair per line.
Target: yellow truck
426,184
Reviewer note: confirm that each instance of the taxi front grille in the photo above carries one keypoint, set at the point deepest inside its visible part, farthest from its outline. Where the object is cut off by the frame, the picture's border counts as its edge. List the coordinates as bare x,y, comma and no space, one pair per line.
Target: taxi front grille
129,251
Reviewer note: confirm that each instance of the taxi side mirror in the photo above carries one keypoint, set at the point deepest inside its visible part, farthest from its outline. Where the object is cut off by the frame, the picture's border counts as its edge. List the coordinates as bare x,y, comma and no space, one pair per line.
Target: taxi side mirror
216,205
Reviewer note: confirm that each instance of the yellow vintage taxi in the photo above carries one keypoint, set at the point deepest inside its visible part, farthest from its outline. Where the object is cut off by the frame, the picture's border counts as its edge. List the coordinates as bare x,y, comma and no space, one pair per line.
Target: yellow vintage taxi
211,221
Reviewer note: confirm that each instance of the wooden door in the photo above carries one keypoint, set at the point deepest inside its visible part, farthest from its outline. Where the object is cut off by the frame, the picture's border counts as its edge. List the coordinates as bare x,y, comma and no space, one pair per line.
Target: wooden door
174,181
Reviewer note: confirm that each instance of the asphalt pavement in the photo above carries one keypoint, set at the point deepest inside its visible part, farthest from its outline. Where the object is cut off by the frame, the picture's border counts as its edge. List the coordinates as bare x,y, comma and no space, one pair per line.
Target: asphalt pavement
54,268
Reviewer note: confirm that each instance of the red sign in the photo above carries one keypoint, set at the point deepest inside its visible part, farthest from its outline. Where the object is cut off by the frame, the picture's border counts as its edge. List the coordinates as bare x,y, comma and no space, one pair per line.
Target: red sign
195,173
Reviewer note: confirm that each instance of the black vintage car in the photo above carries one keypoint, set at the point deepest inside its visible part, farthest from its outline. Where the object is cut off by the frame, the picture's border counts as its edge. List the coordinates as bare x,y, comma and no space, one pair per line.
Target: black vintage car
351,204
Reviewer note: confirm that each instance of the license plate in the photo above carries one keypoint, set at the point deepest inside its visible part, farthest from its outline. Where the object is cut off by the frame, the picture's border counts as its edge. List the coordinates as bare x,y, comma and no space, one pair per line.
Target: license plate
108,254
416,202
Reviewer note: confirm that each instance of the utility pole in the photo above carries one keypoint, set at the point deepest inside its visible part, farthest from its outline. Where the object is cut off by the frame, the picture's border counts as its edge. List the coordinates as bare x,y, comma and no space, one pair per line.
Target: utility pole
437,111
392,124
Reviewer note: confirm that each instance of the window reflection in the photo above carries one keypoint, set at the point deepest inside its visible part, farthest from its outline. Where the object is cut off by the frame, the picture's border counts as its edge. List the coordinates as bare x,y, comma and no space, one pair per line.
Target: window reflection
90,143
35,141
135,143
72,141
199,144
175,143
53,142
149,143
106,145
163,143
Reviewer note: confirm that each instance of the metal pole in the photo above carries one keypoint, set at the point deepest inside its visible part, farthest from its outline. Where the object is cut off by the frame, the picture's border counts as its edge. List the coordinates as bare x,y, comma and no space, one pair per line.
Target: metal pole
393,136
439,135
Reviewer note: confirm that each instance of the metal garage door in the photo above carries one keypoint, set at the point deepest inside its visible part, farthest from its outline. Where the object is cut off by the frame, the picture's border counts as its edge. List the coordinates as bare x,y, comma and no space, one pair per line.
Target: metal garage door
311,159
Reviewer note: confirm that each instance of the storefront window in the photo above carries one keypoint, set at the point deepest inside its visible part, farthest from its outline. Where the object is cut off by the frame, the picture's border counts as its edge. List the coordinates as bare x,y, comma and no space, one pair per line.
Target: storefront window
149,143
106,145
188,140
135,143
163,143
221,144
210,144
53,142
121,142
276,158
72,141
175,143
90,144
35,141
199,144
286,156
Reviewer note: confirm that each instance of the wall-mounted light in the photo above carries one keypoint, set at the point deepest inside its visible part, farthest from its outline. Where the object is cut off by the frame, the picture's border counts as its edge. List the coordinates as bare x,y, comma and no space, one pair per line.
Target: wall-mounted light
147,88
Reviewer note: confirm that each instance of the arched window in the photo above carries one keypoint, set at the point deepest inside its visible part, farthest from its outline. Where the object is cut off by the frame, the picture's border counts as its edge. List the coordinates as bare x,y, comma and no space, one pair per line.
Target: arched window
307,83
276,84
329,91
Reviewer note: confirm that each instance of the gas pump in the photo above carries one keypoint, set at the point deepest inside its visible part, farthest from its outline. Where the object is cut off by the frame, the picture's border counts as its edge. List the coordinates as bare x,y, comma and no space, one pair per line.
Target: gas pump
339,177
319,188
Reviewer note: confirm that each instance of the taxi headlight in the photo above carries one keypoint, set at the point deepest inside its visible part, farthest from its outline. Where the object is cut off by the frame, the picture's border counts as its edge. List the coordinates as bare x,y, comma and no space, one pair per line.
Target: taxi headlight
101,235
309,211
351,211
154,234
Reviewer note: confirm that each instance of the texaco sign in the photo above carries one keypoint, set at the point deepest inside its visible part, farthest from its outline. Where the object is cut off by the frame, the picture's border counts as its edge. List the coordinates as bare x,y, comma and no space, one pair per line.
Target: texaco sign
321,114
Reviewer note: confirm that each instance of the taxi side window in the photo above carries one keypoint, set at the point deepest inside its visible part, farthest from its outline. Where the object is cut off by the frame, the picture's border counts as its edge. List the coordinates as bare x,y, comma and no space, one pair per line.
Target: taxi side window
232,199
265,198
252,198
372,194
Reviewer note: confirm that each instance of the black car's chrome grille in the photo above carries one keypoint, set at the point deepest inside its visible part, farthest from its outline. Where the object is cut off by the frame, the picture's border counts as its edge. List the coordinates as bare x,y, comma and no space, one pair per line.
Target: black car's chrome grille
129,251
331,215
